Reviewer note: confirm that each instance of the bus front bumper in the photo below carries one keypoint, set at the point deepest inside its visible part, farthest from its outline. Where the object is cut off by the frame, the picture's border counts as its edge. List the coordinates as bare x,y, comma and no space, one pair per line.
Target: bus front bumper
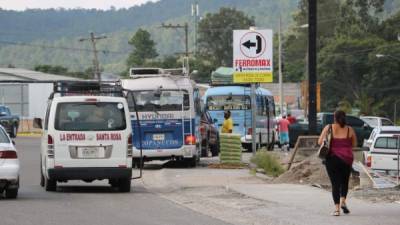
185,152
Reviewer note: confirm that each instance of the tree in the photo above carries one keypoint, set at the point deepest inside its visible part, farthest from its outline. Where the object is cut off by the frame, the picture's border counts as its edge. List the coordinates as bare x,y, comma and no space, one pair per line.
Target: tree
295,41
216,35
144,48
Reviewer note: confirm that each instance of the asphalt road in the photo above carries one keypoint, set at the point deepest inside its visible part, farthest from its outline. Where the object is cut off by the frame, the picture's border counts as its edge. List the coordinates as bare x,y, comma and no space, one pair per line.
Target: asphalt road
79,203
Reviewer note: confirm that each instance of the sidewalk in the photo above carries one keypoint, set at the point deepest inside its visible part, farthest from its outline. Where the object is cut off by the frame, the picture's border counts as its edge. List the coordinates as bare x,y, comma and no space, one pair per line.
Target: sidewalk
310,205
237,197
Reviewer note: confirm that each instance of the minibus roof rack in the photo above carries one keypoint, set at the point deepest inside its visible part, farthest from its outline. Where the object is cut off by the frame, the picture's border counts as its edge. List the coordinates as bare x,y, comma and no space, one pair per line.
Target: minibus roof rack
149,72
90,88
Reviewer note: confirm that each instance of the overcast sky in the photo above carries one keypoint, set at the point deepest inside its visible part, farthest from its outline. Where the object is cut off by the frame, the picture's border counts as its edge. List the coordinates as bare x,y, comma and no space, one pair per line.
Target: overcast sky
45,4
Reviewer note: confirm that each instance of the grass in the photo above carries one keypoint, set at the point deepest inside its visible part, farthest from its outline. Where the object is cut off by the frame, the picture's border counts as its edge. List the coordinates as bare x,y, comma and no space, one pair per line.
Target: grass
269,163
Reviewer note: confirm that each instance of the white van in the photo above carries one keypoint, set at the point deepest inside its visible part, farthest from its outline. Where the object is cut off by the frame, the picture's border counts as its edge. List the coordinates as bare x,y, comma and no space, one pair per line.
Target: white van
86,137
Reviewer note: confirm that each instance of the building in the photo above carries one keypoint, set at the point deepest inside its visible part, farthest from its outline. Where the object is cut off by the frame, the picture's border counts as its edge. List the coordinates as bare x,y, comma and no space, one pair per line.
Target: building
28,99
292,96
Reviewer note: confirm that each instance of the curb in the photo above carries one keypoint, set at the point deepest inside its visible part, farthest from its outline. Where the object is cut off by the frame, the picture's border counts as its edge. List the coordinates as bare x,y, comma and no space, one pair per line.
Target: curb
29,134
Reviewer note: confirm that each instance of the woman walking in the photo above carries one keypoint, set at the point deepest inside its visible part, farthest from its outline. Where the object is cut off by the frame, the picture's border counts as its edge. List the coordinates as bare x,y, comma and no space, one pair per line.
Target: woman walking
340,159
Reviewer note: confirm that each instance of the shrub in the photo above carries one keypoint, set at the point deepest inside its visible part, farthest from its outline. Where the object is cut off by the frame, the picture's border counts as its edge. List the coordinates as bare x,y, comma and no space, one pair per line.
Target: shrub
269,163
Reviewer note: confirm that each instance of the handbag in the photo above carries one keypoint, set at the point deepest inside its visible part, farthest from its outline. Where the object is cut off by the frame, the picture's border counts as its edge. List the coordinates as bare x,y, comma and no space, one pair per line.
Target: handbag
325,148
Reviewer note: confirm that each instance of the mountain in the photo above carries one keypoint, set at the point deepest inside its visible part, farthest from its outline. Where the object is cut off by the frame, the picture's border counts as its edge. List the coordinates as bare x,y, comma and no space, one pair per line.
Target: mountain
51,36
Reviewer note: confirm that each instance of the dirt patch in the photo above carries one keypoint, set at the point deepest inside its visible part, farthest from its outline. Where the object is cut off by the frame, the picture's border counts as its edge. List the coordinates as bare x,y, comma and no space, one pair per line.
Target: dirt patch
310,171
378,195
226,166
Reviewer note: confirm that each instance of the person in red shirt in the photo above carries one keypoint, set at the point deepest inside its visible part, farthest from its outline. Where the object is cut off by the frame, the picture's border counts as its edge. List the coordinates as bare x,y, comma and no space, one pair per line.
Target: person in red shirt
283,128
291,118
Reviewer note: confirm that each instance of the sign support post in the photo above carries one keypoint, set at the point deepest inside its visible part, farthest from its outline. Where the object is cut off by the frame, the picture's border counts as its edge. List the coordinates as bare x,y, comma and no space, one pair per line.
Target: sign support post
253,116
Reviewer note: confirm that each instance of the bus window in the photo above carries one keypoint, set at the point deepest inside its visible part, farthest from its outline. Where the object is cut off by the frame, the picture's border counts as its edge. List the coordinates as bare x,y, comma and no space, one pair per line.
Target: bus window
228,102
164,100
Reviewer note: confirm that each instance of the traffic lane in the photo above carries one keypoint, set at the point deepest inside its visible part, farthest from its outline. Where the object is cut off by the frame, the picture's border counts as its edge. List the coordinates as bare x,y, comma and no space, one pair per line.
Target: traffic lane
87,203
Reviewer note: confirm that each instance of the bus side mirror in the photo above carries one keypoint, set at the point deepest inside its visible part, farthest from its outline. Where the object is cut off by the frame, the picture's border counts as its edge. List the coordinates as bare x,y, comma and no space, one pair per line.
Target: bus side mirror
37,123
215,120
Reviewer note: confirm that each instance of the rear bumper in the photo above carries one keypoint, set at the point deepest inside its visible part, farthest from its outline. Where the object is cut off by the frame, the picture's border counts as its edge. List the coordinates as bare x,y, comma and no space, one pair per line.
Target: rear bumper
9,170
89,173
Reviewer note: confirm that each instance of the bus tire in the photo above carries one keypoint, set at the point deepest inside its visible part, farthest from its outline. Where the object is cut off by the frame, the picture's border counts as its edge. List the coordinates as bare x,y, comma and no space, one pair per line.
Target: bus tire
191,162
50,184
214,149
204,149
271,145
124,184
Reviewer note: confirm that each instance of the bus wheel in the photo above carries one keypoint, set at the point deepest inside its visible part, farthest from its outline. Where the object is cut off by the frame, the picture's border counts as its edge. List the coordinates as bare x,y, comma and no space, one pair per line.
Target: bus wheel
191,162
204,149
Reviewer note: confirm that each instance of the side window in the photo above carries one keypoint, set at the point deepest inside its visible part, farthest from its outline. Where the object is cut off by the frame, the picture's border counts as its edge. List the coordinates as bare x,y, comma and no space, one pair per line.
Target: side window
386,142
186,101
260,105
266,106
46,119
271,105
8,111
386,122
354,122
197,103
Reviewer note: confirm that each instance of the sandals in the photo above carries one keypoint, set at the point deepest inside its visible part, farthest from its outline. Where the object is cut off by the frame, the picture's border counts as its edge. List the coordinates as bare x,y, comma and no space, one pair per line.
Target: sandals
336,213
345,209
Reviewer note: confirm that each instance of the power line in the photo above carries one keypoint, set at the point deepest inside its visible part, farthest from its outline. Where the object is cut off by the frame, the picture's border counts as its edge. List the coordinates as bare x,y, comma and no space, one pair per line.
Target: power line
104,51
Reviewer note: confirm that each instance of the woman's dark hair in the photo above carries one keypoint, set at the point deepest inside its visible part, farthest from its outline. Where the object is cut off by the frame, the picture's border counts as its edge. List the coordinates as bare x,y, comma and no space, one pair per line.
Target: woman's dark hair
340,117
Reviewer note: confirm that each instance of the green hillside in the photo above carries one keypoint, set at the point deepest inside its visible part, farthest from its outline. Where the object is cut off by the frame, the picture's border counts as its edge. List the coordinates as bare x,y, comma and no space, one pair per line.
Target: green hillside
51,36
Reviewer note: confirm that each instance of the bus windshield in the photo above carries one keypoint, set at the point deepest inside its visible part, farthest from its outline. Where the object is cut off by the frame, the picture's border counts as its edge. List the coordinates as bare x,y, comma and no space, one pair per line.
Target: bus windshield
164,100
228,102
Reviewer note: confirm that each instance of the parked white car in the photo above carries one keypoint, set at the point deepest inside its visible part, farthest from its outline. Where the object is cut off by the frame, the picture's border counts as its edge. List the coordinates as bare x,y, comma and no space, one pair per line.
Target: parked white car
375,121
9,166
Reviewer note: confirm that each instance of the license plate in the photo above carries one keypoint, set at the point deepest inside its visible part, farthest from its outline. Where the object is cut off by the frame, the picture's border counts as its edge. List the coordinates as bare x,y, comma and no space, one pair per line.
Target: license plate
158,137
88,152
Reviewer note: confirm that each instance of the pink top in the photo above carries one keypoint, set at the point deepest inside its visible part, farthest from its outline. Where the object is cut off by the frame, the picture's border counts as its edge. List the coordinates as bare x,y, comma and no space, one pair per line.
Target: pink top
343,149
283,125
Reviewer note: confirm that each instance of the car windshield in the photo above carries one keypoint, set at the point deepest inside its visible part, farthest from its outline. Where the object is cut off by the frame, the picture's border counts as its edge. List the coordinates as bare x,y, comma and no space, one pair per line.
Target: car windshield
373,122
3,137
161,100
386,143
90,116
228,102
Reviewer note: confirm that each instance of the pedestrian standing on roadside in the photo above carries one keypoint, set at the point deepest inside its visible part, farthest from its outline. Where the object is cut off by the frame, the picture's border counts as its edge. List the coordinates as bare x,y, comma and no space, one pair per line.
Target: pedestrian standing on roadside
340,159
291,118
227,125
283,128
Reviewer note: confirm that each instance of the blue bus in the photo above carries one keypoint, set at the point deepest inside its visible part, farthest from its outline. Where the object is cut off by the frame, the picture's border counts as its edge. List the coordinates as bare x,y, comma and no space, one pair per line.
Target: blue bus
168,112
237,100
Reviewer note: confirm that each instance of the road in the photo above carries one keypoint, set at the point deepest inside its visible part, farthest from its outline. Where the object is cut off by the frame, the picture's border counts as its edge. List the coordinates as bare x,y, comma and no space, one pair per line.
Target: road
81,203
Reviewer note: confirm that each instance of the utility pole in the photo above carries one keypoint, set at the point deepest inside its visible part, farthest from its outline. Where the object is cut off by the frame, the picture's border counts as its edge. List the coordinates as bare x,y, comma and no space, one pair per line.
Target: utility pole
186,28
312,66
280,67
96,65
195,14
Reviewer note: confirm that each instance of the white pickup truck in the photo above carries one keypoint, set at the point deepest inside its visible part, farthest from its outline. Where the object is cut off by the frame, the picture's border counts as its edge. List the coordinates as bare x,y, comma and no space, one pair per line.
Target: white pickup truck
384,153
